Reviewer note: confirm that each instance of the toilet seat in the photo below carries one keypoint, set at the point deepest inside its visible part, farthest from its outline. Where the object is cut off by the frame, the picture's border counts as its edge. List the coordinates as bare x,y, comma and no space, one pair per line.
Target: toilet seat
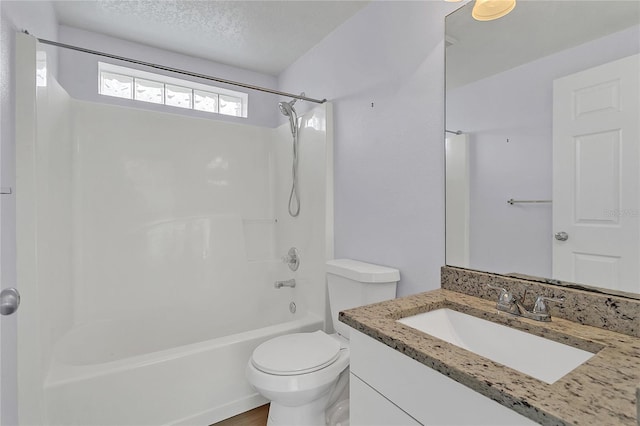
297,353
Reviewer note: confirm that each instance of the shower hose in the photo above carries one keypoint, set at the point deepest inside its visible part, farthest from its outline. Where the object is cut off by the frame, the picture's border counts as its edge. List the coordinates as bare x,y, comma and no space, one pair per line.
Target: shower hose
294,197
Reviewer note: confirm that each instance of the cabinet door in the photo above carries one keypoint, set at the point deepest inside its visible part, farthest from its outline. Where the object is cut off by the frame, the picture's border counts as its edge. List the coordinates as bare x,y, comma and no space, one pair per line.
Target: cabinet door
369,408
429,397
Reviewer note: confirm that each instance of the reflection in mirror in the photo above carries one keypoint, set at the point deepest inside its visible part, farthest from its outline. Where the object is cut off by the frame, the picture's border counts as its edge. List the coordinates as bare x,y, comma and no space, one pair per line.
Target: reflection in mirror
544,178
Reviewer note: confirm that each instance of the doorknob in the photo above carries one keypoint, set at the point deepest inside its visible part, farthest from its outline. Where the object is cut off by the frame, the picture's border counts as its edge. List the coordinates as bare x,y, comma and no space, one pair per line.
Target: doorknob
561,236
9,301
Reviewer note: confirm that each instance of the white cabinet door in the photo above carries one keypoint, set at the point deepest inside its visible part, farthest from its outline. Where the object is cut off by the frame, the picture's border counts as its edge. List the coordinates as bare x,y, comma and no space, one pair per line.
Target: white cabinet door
369,408
596,179
427,396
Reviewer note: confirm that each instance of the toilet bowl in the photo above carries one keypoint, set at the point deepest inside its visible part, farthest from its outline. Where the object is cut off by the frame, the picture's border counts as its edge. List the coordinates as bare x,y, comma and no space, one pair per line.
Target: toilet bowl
304,374
298,373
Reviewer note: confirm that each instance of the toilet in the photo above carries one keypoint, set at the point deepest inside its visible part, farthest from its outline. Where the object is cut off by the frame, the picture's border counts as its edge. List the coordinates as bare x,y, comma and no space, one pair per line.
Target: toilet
305,375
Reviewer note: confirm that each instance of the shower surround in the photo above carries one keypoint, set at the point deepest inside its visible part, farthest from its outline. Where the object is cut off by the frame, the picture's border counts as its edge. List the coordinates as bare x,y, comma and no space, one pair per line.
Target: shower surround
155,240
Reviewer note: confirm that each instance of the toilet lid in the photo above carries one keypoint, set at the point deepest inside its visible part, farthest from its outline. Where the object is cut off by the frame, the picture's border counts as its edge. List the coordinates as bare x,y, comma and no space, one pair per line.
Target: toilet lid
297,353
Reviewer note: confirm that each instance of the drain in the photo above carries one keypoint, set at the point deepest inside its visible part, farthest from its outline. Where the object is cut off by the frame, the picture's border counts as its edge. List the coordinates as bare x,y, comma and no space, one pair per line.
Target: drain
292,308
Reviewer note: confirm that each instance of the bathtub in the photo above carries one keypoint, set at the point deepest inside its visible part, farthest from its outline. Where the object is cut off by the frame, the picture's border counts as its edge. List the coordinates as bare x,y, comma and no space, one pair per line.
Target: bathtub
158,371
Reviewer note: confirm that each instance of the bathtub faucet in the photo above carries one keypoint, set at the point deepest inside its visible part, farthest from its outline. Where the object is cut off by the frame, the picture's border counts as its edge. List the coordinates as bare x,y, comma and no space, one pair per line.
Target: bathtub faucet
289,283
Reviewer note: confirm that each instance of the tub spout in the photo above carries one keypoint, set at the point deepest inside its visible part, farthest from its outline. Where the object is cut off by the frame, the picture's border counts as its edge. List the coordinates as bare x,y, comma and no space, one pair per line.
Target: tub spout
289,283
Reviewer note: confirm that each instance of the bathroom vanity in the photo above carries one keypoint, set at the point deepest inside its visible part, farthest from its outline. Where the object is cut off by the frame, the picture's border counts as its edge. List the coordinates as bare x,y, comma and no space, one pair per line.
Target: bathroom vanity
403,376
515,206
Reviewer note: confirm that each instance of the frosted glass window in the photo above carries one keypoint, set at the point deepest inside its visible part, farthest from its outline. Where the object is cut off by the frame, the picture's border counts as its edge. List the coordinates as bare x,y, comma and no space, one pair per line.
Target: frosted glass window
120,86
205,101
144,86
149,91
230,105
178,96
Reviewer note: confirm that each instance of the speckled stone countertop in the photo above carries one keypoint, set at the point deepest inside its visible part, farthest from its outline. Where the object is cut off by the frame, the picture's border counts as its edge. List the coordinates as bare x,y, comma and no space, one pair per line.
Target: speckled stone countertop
602,391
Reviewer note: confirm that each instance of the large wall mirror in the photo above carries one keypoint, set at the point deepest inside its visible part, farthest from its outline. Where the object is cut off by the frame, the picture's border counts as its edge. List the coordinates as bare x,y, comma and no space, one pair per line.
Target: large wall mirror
543,143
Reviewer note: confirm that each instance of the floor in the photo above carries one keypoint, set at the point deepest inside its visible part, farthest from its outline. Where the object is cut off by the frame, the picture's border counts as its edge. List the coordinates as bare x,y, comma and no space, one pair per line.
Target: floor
255,417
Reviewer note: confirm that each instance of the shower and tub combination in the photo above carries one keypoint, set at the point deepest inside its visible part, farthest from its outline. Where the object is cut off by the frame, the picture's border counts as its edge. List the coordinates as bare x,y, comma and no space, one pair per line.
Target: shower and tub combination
148,269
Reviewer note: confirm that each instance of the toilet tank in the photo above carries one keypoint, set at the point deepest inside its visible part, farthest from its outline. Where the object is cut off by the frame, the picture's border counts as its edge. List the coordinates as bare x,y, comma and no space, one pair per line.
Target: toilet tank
353,283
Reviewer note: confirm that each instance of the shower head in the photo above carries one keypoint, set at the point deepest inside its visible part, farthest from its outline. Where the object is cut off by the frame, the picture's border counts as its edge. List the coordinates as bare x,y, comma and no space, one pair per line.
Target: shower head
286,108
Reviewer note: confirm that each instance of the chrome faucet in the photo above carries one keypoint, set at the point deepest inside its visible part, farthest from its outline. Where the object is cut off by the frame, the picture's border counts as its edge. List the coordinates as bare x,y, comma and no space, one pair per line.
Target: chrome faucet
289,283
507,302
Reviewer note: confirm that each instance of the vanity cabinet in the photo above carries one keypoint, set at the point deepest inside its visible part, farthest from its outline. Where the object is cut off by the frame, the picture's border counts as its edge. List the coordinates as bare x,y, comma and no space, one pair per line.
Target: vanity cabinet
390,388
369,407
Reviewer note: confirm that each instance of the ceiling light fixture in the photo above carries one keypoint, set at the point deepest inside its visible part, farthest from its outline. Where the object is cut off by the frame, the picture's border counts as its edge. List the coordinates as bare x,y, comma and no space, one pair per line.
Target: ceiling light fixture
488,10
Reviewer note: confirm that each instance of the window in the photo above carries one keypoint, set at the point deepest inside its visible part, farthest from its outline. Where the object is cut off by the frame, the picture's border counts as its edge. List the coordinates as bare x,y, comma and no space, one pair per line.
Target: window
149,91
178,96
205,101
120,86
129,83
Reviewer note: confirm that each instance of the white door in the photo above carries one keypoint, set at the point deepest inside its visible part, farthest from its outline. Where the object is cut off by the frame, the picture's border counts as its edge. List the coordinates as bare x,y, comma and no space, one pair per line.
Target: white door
596,157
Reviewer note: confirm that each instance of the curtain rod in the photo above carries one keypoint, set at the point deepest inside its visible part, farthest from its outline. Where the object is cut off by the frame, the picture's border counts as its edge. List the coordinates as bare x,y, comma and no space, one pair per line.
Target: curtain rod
179,71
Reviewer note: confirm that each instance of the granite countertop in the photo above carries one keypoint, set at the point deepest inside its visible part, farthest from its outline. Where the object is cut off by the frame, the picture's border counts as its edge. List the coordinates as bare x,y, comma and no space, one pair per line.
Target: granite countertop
602,391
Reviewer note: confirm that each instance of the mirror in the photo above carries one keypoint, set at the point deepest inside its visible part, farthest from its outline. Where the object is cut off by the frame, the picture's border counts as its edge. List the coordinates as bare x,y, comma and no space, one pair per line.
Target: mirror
543,178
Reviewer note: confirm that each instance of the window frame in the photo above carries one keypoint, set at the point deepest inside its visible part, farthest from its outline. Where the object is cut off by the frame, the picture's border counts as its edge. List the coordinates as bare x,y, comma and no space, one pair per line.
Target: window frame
171,81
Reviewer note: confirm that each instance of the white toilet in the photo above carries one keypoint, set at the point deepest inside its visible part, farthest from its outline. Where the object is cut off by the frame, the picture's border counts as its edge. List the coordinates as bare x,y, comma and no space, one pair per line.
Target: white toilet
304,374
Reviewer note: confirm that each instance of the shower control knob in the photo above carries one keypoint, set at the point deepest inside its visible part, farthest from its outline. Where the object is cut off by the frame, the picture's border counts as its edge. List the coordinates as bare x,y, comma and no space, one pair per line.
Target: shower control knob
9,301
292,259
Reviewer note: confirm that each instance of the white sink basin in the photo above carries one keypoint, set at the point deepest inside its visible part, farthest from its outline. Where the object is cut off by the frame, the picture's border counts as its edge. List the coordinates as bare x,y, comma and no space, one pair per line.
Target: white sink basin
536,356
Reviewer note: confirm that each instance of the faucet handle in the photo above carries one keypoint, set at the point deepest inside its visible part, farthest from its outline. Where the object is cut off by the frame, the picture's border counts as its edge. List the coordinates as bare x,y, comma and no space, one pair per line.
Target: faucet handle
505,297
292,259
540,307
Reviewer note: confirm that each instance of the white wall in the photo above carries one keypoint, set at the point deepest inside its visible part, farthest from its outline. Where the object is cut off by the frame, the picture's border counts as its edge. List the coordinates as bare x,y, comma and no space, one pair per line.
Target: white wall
38,17
162,204
517,105
54,223
389,157
43,228
172,212
43,246
79,75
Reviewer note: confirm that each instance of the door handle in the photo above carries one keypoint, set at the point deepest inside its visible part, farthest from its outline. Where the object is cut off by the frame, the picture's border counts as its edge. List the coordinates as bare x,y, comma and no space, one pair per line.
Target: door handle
9,301
561,236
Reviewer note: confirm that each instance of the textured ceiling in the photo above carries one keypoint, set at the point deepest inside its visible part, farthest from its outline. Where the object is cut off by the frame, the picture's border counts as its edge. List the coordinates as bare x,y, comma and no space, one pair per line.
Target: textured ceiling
264,36
532,30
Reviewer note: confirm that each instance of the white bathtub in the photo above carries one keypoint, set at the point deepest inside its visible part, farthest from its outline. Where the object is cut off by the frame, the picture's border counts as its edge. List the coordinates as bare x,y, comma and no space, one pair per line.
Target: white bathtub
157,371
